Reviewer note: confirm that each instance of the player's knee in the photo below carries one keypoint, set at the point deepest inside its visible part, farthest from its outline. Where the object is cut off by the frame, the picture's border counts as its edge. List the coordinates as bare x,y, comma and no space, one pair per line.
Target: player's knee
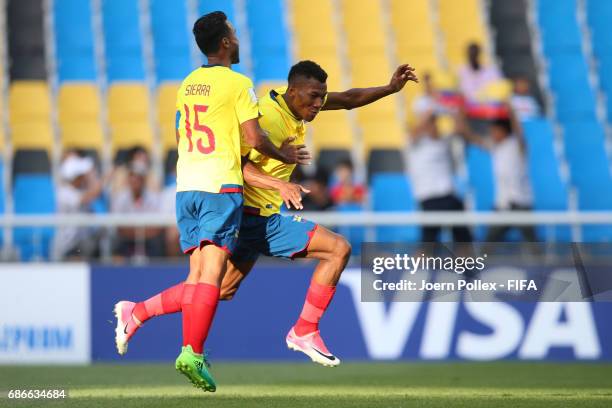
342,249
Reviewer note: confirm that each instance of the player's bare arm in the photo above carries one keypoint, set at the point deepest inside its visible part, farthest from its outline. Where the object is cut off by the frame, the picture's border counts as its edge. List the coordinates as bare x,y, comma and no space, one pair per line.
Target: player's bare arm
291,193
287,152
356,97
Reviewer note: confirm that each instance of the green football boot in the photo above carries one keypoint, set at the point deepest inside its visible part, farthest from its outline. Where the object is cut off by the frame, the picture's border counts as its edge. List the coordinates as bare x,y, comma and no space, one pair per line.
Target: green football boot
195,367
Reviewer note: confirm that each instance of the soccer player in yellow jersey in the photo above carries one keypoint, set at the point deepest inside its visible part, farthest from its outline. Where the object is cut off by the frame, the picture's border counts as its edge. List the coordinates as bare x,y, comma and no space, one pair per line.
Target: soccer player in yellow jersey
215,106
264,230
284,113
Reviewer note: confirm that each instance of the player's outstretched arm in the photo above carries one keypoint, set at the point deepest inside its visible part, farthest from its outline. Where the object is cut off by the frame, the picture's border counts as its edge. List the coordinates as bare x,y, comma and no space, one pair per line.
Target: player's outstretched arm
288,153
291,193
356,97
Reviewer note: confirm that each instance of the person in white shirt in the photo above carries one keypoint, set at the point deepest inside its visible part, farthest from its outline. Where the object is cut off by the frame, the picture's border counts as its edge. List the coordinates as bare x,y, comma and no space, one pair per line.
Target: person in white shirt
512,185
523,103
431,167
79,187
475,76
133,199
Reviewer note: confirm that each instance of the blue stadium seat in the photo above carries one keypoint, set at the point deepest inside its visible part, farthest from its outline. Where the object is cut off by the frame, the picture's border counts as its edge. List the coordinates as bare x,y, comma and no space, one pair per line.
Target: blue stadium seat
123,42
559,26
480,179
574,96
585,153
170,40
392,192
354,234
207,6
74,40
599,16
33,194
268,39
549,190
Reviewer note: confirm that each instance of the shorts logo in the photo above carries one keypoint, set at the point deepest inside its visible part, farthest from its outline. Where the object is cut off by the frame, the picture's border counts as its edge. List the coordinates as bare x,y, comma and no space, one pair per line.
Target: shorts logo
297,218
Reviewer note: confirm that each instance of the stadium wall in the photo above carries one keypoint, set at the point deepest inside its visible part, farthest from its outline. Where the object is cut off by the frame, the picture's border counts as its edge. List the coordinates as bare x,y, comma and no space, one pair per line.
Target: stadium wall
70,306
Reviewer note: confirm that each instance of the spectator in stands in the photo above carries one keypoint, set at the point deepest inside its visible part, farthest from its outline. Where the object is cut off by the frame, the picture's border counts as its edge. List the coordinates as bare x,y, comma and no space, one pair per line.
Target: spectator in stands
523,103
345,190
168,206
318,199
431,166
512,187
78,189
133,199
136,154
475,76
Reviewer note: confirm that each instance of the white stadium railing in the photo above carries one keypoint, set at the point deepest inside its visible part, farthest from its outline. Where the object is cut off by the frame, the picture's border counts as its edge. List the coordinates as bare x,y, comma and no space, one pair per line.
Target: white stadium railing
329,218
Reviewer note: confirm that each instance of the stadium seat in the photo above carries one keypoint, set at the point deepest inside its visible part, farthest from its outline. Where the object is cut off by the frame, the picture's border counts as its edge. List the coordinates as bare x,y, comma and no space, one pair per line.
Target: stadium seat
166,113
31,162
356,235
327,159
127,135
74,42
480,179
392,192
170,167
82,135
29,101
549,190
384,161
123,42
33,194
78,101
208,6
331,130
461,23
32,135
128,102
268,37
170,41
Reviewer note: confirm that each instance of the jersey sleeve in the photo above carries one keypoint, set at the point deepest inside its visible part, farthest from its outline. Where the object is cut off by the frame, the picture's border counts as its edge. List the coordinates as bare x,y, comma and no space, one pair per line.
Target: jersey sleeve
246,102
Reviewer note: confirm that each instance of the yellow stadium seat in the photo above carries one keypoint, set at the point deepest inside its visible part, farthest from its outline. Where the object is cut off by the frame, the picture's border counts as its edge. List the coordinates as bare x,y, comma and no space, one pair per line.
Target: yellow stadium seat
32,135
127,135
166,102
382,135
128,102
331,132
82,135
29,101
168,137
78,102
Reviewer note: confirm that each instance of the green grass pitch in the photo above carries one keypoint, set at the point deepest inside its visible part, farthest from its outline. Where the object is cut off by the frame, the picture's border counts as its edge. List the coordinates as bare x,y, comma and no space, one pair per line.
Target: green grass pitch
506,384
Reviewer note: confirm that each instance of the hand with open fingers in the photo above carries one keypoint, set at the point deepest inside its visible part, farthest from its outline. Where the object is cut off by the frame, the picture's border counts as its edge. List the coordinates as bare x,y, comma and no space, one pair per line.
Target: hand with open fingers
295,153
291,194
402,74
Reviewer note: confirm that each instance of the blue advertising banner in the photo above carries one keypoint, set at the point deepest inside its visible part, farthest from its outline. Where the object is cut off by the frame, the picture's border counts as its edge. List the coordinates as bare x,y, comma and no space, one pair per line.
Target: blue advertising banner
253,325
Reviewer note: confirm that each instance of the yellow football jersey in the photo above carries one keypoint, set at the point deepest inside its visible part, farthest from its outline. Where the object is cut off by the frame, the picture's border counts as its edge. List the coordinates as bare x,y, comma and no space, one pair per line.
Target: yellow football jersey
279,123
211,104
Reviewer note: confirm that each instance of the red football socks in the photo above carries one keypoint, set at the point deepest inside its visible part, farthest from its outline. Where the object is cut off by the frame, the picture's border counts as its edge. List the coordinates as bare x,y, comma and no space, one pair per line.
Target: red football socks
317,300
166,302
198,314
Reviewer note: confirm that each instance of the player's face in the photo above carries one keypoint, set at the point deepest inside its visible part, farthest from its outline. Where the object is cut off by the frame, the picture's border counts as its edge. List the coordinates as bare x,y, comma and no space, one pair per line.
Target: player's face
307,97
234,45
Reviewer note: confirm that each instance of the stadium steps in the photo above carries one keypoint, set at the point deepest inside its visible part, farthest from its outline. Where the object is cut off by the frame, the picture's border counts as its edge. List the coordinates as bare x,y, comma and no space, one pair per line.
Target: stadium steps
513,41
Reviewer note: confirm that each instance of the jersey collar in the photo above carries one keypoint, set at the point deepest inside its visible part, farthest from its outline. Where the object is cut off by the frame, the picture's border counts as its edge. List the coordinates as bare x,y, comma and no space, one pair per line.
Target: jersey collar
278,98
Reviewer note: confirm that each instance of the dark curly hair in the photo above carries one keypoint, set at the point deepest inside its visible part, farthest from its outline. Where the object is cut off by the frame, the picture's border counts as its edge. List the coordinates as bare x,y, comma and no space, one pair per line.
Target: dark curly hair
307,69
208,31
